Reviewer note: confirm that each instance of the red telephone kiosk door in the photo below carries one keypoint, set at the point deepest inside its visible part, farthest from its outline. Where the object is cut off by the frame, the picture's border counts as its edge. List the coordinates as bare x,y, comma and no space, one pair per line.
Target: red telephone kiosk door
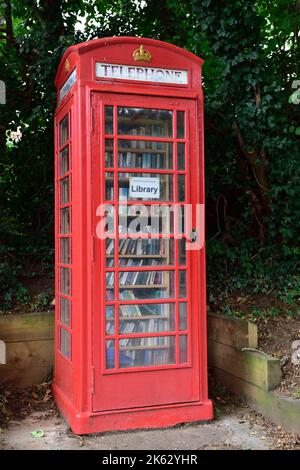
145,312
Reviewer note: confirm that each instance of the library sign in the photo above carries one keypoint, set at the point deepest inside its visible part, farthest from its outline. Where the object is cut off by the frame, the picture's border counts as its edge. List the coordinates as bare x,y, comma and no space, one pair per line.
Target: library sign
144,187
144,74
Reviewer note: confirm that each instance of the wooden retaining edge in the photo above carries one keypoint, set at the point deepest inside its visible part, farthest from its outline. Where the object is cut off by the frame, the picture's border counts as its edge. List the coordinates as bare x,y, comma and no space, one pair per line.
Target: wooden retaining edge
231,331
252,366
27,327
29,342
248,373
284,412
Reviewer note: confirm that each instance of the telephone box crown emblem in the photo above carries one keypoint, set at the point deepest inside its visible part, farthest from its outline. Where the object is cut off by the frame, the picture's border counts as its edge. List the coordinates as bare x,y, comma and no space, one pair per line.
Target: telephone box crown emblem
67,66
141,54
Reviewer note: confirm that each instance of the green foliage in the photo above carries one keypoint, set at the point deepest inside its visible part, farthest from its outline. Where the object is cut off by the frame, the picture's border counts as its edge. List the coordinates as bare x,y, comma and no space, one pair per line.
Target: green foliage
44,300
256,313
296,393
252,56
252,157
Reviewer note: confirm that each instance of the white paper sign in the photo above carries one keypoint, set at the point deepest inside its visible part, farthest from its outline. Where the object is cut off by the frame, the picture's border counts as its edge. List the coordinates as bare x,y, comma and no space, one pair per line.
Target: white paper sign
144,74
68,84
144,187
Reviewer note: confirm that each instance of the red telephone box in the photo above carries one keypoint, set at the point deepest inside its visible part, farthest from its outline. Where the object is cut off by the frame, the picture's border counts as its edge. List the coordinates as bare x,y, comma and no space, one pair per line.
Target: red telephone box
130,294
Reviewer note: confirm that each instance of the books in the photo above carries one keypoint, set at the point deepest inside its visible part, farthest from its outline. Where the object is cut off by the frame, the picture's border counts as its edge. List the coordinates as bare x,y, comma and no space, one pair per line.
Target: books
142,278
123,194
157,350
141,160
140,246
145,154
109,246
140,250
138,284
128,127
129,310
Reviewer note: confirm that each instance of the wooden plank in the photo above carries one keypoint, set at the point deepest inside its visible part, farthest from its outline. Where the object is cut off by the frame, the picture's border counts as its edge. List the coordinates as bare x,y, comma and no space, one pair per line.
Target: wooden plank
254,367
28,363
23,355
27,327
29,342
234,332
283,411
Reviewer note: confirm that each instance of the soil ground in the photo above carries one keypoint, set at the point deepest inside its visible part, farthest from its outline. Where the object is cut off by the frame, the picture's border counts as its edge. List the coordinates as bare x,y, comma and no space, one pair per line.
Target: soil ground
276,337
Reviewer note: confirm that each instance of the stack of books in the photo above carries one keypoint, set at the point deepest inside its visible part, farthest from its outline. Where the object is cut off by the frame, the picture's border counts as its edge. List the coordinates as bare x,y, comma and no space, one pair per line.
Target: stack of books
140,160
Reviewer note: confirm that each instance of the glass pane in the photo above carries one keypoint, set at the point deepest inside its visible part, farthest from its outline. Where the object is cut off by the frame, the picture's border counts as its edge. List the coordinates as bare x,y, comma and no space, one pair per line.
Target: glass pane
182,283
65,281
180,156
110,320
110,252
144,121
110,286
109,114
64,224
183,349
64,131
180,125
137,218
65,311
109,153
165,184
145,154
147,351
146,318
109,186
146,252
65,250
65,343
64,161
182,251
180,215
106,227
64,191
181,187
110,354
182,316
146,285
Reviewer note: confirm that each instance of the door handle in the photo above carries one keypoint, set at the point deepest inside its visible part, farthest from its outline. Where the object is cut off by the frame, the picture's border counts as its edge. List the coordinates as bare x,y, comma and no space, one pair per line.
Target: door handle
193,235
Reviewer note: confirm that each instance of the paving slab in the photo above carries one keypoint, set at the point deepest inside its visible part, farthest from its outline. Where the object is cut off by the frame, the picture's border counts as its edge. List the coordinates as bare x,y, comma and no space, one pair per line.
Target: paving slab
227,432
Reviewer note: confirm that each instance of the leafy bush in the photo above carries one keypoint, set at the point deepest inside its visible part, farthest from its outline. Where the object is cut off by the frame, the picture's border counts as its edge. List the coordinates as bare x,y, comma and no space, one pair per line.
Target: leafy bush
252,56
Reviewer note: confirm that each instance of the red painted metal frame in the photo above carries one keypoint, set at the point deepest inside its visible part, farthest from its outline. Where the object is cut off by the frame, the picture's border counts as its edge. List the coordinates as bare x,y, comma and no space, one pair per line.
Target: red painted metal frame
137,386
75,385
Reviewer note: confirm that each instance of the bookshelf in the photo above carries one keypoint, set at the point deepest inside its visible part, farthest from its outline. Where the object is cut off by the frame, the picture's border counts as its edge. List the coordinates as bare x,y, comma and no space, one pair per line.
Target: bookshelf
147,351
140,283
139,154
140,122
